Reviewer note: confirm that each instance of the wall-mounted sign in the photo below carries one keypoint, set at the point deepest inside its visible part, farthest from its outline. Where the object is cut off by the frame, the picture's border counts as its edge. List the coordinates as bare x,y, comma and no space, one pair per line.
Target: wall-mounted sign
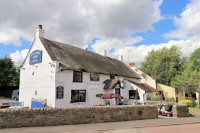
59,92
35,57
94,77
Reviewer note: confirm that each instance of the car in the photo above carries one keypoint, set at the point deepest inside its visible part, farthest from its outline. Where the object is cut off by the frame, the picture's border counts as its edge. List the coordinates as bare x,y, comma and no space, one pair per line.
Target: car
165,110
159,106
15,95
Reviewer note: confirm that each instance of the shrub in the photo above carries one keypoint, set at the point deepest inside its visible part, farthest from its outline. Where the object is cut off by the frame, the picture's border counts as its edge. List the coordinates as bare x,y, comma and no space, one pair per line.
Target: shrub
148,98
170,100
189,103
155,98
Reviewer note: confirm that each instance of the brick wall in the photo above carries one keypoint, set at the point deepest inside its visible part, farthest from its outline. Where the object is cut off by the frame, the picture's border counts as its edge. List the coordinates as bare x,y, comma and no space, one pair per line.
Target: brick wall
180,111
68,116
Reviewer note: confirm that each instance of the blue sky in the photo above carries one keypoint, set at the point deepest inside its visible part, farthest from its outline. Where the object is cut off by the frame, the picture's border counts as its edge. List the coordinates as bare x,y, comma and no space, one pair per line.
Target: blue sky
111,30
169,9
6,50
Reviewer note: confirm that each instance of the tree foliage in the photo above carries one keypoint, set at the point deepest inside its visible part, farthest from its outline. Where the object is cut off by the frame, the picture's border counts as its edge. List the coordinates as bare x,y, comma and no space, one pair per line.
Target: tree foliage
163,65
188,79
9,74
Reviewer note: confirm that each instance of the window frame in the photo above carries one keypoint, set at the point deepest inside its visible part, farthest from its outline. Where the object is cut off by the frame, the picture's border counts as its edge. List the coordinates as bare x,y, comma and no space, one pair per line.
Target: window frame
136,96
98,78
57,92
75,78
78,100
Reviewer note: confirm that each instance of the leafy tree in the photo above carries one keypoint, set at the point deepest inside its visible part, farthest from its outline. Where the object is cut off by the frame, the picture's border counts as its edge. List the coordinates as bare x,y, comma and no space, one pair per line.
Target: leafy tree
188,80
195,60
163,65
9,74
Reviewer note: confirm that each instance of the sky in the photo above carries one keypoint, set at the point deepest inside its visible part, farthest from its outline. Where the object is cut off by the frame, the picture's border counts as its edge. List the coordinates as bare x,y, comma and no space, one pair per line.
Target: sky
128,28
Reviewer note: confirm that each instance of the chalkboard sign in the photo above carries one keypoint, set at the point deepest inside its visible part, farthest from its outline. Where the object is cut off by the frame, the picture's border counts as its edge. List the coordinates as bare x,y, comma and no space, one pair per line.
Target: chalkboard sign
94,77
35,57
59,92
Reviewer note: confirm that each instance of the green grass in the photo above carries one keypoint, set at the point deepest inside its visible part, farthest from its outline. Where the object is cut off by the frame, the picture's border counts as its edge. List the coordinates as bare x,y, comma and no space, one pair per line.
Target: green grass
194,110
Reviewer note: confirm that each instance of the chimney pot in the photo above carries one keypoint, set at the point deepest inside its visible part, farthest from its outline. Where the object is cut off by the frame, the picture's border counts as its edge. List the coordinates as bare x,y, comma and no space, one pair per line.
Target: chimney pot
120,57
104,52
39,31
133,64
40,26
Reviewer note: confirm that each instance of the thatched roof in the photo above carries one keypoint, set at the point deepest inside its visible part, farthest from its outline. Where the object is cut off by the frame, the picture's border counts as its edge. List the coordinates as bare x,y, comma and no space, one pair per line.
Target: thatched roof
74,58
111,83
143,86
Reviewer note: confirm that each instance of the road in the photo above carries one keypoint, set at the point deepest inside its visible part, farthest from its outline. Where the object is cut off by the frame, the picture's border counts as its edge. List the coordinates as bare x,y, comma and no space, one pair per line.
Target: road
168,125
185,128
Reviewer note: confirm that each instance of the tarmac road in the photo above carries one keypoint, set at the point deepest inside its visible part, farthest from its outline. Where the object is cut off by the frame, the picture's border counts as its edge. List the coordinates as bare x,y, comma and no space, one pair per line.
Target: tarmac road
185,128
166,125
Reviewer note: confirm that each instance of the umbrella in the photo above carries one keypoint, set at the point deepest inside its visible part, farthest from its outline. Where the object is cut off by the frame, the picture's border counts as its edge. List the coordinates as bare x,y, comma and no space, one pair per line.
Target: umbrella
111,95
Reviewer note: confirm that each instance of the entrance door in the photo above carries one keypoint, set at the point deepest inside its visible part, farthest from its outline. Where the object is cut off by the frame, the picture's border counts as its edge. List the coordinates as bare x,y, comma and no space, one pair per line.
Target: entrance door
117,91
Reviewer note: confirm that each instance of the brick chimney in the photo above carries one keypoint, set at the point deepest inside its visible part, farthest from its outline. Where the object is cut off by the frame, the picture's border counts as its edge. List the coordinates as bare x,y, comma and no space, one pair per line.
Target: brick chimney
39,31
132,65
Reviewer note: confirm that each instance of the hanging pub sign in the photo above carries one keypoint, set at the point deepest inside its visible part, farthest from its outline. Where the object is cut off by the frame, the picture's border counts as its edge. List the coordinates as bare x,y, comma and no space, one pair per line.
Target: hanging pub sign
59,92
35,57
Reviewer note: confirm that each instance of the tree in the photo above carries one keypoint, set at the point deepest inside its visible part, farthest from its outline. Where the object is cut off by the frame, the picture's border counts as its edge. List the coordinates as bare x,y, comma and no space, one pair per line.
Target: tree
9,74
188,80
163,65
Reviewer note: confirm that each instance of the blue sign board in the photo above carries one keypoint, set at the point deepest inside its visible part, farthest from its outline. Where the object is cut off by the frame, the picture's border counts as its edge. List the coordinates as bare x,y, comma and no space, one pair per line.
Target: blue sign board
35,57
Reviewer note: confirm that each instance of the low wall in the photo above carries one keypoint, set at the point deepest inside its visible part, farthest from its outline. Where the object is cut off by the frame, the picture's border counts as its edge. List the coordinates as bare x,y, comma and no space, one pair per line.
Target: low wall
68,116
181,111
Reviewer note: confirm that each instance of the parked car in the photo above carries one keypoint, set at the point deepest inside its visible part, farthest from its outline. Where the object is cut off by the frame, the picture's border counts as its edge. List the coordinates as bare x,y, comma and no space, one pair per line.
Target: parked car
165,110
15,95
159,106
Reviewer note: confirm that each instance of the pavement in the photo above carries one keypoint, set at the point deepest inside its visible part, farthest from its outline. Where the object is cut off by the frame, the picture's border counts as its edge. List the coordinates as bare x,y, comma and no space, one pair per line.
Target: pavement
137,126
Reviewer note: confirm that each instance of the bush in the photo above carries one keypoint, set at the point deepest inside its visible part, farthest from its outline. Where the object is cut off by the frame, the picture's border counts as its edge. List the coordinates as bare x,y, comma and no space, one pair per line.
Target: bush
189,103
170,100
155,98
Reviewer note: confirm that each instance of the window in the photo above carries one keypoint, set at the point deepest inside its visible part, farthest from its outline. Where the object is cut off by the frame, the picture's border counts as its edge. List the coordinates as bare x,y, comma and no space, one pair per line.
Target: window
94,77
117,91
112,76
78,96
78,76
133,94
59,92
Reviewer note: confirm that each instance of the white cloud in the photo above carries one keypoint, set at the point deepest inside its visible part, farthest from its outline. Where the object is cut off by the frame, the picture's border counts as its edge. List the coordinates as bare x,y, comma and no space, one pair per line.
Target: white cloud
19,56
188,22
109,44
10,36
76,21
132,53
113,21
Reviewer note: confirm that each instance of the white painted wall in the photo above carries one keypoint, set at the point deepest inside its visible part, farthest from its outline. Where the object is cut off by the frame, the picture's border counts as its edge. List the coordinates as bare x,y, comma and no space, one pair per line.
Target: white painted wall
131,86
144,79
65,79
38,77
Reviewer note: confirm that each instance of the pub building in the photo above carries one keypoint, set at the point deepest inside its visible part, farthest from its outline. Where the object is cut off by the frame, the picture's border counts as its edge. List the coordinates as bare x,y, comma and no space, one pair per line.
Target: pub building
64,76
